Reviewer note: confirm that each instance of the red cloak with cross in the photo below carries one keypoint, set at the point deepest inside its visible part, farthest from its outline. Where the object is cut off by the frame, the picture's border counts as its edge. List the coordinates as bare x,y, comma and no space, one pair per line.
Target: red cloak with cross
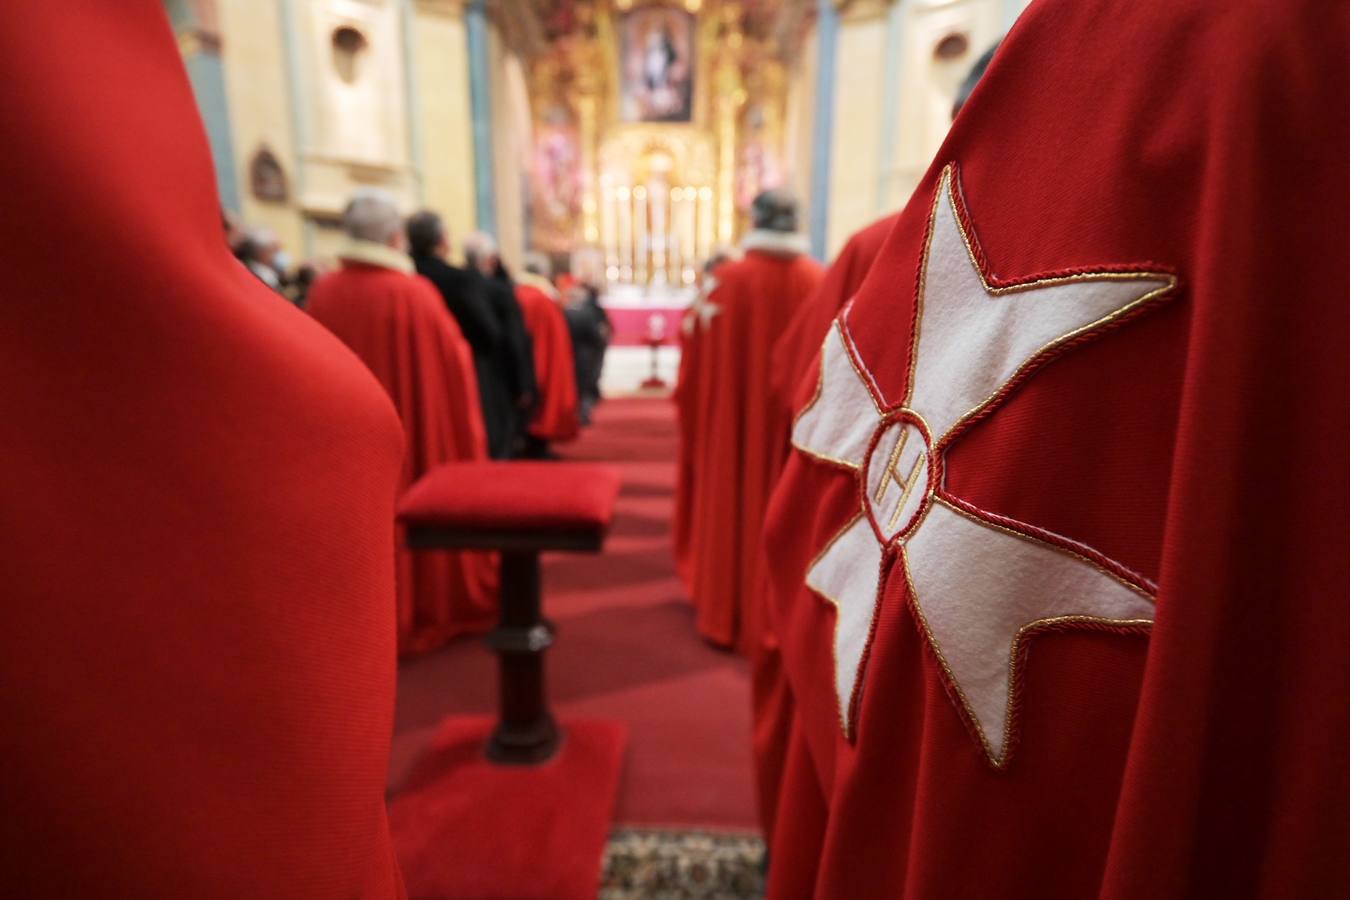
798,345
1058,558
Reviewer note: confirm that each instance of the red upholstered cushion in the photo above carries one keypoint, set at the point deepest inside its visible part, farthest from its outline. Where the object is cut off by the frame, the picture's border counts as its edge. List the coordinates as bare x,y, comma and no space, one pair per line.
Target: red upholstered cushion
513,496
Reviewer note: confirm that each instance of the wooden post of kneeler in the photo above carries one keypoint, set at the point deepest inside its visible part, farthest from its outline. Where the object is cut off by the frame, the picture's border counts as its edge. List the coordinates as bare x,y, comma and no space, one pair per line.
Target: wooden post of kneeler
526,732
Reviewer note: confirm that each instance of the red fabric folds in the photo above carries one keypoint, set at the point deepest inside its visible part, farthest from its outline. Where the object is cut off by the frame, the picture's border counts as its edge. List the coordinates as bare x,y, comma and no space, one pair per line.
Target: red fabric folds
800,343
398,326
738,447
733,436
794,376
1199,443
197,634
554,367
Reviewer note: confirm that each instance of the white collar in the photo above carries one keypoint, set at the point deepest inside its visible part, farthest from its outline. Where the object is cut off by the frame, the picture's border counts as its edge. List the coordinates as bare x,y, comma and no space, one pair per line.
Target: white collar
373,254
780,243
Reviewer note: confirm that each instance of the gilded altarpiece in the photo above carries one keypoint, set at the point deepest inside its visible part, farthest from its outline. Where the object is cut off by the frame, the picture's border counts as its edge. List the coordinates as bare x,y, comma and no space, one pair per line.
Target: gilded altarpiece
655,124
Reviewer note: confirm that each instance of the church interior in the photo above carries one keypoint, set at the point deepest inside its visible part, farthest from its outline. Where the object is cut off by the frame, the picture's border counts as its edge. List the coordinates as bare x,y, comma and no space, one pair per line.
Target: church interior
623,141
559,449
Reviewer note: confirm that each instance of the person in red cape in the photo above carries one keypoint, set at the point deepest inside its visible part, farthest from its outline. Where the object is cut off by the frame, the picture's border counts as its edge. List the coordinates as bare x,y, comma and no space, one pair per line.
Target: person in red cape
737,458
738,450
555,416
774,709
692,397
801,341
197,634
1058,557
396,323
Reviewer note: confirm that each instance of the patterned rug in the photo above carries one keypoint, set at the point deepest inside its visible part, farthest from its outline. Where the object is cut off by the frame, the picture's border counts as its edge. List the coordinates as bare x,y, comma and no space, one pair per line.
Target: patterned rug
671,865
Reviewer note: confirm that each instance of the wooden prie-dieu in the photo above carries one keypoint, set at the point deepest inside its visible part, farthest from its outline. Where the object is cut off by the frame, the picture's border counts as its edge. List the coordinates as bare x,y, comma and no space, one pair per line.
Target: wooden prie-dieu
519,510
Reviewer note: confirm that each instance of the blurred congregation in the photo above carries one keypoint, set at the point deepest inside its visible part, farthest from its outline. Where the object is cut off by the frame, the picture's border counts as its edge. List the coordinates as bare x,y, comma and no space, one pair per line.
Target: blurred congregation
538,373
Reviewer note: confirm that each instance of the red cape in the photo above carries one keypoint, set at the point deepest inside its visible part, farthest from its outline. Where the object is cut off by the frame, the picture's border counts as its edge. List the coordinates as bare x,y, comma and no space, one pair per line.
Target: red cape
396,323
554,366
738,446
694,382
793,377
801,341
196,638
1189,450
731,453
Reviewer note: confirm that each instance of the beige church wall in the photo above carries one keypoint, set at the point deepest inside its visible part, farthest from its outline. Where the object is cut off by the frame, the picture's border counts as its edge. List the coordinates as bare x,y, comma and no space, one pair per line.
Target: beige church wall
445,122
254,58
856,141
928,84
356,127
893,98
511,140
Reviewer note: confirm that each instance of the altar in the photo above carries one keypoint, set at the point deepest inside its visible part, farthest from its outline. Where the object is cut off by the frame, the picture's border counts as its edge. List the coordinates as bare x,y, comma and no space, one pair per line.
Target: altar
645,338
654,125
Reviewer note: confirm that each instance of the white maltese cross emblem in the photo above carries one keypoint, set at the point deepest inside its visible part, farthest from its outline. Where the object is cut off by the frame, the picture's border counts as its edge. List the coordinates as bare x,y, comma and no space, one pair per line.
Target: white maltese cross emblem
980,583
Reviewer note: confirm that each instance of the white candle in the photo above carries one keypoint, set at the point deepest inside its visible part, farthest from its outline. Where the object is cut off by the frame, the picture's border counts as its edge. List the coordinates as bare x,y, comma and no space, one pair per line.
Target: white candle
622,200
640,247
705,222
660,231
609,231
685,271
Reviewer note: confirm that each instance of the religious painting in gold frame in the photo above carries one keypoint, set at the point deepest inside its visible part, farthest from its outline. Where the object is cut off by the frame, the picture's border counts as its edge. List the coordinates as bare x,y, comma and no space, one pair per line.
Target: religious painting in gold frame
656,65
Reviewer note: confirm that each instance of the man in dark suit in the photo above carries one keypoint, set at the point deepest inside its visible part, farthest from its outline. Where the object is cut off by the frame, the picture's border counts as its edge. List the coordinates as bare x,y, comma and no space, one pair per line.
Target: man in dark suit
482,257
485,325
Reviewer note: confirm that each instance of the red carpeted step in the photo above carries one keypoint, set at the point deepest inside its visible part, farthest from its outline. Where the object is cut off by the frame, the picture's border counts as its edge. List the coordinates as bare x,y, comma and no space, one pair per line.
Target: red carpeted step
467,828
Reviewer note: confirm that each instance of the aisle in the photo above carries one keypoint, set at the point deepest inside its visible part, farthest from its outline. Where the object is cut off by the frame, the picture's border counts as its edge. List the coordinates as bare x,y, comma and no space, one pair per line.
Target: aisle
626,650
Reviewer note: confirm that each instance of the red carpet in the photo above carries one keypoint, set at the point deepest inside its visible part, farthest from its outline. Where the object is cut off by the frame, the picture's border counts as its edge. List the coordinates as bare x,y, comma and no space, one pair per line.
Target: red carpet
627,651
467,829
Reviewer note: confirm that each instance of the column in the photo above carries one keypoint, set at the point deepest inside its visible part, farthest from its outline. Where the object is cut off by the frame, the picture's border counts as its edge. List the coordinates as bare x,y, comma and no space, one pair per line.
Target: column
480,102
199,41
827,33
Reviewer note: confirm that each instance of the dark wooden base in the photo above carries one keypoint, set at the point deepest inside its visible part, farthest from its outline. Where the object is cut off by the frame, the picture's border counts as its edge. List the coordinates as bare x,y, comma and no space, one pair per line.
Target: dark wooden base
525,746
526,733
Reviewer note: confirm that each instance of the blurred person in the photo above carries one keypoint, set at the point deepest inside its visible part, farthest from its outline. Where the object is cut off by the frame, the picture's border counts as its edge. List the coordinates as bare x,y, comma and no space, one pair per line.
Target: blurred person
260,252
394,320
197,547
556,415
466,295
800,343
589,326
973,78
563,279
233,227
738,444
308,272
516,356
692,402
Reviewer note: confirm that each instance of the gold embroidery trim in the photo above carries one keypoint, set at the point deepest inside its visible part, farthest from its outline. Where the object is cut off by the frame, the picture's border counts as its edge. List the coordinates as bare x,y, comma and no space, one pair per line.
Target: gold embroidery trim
1168,281
841,705
999,760
947,184
1138,589
815,398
